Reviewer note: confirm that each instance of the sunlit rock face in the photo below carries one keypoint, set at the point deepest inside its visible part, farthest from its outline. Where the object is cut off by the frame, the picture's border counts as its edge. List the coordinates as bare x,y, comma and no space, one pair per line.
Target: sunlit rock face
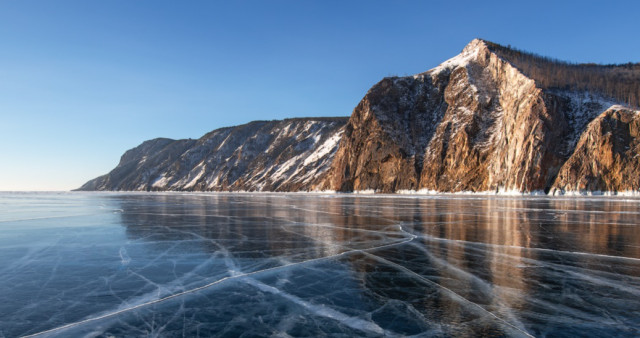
607,155
283,155
474,123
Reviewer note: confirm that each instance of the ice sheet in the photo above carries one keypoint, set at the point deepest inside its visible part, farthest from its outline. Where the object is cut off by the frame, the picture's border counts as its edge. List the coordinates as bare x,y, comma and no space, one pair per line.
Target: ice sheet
164,264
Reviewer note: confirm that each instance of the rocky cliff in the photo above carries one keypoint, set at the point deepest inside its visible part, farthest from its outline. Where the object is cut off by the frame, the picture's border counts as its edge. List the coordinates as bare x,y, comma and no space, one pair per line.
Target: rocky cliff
607,156
259,156
474,123
489,119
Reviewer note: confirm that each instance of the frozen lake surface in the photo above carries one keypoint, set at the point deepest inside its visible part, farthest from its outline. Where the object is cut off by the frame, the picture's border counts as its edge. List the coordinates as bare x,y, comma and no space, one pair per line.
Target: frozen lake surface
174,265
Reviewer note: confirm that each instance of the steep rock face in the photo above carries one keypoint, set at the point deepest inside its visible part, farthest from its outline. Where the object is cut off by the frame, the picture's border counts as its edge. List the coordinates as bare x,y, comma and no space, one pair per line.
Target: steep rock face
607,157
383,144
263,155
474,123
497,133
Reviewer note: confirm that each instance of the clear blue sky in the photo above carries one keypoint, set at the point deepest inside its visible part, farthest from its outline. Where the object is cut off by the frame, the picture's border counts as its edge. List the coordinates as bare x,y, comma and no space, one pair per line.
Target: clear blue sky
83,81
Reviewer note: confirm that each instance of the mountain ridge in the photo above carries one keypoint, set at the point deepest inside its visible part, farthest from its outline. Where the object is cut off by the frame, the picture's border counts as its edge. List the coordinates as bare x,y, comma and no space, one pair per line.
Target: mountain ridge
249,157
474,123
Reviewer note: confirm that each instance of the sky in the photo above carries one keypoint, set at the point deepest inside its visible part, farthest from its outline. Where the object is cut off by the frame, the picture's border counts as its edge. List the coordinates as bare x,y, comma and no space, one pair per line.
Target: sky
83,81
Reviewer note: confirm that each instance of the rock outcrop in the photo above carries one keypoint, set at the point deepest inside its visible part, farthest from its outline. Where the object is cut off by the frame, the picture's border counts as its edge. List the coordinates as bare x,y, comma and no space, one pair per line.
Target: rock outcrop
283,155
607,157
490,119
474,123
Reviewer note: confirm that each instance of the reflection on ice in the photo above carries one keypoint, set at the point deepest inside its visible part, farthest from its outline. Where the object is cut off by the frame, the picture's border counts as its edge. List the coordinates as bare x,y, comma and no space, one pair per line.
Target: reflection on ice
312,265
